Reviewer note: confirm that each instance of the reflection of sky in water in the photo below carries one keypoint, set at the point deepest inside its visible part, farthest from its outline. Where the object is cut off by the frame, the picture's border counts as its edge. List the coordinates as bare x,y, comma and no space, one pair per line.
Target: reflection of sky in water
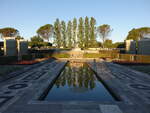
77,82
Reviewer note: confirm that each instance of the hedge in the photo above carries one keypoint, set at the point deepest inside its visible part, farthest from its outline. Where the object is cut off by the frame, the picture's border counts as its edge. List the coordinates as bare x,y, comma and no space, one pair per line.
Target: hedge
8,59
61,55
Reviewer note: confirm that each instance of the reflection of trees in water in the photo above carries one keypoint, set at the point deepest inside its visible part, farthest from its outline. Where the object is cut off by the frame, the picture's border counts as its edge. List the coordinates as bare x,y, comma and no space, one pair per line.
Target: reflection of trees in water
77,76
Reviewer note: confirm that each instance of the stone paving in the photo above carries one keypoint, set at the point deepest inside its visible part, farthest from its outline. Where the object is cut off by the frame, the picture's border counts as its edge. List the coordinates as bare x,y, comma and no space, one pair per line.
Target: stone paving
131,87
24,93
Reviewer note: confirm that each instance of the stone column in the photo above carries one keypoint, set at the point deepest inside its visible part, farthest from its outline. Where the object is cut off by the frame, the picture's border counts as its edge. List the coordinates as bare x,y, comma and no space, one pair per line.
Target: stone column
10,46
130,46
22,47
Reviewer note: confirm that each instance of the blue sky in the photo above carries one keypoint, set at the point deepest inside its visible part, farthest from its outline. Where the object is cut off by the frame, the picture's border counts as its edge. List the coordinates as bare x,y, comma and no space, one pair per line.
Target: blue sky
28,15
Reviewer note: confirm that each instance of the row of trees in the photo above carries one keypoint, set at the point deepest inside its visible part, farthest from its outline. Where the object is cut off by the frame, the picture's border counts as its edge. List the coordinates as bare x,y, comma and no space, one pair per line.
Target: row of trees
81,33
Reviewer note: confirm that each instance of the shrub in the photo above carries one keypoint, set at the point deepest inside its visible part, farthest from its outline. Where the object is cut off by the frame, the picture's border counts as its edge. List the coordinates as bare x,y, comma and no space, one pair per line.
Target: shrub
27,57
61,55
91,55
8,59
1,53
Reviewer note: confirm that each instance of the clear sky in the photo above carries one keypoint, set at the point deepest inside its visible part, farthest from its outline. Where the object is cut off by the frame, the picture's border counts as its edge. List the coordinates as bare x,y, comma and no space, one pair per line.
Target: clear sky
28,15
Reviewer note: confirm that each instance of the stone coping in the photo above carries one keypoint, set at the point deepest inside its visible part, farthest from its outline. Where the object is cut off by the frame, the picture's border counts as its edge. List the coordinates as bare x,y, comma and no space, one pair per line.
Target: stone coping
26,90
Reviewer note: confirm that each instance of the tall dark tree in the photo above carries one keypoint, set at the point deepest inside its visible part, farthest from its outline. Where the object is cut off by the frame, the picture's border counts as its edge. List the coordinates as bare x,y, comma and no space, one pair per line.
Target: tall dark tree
87,31
74,31
9,32
81,33
69,34
64,35
104,31
36,39
92,32
57,33
45,31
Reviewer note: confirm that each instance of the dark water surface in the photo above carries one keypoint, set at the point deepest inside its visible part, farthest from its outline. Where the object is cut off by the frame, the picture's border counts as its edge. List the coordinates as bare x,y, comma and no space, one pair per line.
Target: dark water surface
78,83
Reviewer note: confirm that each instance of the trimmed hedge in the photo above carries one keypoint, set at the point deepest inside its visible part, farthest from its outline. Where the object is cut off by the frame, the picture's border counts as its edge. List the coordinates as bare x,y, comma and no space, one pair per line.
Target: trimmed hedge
1,53
108,51
123,57
99,55
27,57
8,59
91,55
61,55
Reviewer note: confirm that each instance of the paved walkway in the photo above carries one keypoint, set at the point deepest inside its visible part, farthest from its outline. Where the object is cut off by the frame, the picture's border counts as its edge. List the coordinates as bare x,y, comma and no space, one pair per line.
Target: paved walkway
132,88
23,94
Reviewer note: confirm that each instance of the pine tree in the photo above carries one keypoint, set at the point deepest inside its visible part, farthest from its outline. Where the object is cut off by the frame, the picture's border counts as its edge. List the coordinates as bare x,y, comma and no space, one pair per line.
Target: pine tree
64,36
45,31
104,30
57,33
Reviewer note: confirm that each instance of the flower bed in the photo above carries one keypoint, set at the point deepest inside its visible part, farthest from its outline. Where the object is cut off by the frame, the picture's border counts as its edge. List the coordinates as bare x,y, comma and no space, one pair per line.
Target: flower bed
30,62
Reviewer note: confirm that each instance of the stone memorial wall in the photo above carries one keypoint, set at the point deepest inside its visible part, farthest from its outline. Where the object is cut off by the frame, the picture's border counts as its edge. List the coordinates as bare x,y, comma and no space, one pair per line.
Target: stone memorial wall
22,47
130,46
10,46
13,47
144,46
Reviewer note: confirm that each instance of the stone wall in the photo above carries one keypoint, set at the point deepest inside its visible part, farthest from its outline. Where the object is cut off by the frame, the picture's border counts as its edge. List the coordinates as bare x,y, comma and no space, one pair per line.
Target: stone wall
144,46
130,46
15,48
10,46
22,47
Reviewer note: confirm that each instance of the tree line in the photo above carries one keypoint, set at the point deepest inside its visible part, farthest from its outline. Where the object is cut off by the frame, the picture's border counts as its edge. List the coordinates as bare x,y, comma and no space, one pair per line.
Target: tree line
69,34
82,32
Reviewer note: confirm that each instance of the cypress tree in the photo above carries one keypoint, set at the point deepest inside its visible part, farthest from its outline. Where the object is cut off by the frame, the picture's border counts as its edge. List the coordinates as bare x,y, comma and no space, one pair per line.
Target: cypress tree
81,33
57,33
74,31
69,34
64,36
86,39
92,32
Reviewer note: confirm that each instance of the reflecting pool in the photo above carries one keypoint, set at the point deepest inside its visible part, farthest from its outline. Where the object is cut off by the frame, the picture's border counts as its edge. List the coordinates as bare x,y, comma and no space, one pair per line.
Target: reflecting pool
77,82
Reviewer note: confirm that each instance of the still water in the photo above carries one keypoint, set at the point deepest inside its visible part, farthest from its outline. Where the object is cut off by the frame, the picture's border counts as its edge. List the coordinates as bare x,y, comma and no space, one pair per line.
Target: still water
78,83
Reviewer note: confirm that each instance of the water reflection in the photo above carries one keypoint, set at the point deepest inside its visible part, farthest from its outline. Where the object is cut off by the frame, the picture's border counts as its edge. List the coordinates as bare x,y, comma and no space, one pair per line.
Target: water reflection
77,76
78,83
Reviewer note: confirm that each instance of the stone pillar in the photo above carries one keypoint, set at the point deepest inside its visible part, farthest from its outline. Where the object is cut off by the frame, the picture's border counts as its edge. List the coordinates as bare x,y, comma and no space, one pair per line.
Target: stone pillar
130,46
10,46
22,47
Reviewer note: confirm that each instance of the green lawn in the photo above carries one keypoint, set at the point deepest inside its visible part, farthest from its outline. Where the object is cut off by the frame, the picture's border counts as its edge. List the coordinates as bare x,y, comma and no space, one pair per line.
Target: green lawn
5,69
142,68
